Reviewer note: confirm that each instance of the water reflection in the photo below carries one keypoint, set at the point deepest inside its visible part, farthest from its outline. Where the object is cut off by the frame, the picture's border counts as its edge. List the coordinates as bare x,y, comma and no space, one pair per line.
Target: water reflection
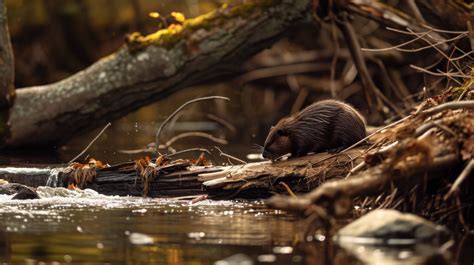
94,230
91,228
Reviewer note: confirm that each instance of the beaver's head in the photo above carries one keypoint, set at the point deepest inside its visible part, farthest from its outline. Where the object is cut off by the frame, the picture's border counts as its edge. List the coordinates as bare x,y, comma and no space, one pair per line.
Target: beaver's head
278,141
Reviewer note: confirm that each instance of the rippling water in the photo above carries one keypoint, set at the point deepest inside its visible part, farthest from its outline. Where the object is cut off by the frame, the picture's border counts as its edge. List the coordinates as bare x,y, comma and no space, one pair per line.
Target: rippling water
91,228
84,227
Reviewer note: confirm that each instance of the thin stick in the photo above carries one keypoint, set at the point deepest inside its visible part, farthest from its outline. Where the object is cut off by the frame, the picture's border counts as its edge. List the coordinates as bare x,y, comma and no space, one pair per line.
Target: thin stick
415,11
334,58
464,104
396,46
222,121
91,143
229,156
471,34
157,140
443,30
282,70
355,169
354,48
189,150
376,132
439,74
466,171
288,189
195,134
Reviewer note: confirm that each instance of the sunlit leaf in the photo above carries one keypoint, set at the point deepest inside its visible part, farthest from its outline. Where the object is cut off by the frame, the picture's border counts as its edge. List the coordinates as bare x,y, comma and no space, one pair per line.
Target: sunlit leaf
154,14
178,16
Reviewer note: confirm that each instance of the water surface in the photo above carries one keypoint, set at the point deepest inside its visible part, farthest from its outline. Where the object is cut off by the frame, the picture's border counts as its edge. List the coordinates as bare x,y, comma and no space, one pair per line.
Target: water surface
91,228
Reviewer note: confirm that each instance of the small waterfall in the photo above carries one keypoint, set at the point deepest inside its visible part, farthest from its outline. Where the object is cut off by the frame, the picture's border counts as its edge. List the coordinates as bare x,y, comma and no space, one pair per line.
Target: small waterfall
53,177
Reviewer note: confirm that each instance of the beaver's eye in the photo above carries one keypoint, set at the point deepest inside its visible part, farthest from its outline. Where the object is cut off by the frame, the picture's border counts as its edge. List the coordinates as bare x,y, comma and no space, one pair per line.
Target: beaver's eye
280,132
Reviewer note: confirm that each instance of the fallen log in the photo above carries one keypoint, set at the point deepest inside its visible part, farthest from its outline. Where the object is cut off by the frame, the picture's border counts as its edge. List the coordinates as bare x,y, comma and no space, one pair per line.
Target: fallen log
149,68
185,178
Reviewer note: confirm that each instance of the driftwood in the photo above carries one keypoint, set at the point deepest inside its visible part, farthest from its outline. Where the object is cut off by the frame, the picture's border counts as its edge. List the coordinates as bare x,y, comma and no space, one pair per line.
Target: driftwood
184,178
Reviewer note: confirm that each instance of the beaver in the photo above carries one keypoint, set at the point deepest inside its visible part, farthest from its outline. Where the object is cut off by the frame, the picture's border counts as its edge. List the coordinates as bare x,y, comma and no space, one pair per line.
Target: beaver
327,125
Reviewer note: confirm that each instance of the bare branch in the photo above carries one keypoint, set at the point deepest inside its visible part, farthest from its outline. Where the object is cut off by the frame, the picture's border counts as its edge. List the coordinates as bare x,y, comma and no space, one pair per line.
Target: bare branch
451,75
222,121
188,150
91,143
229,156
465,104
157,140
466,171
194,134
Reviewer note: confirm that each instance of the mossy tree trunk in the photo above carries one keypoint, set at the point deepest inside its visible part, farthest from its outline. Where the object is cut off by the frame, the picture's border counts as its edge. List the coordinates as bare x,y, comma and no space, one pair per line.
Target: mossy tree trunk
149,68
7,91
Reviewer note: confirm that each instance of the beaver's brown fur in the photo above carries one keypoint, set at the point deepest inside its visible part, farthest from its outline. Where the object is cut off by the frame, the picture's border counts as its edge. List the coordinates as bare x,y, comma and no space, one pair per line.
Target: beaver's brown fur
327,125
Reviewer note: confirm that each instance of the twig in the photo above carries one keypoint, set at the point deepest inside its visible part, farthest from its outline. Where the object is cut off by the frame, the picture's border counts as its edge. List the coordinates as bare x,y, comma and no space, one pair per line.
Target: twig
157,140
355,169
288,189
376,132
354,47
222,121
195,134
463,94
282,70
189,150
439,74
471,34
443,30
415,11
229,156
465,104
334,57
300,97
419,36
91,143
439,50
136,151
396,46
466,171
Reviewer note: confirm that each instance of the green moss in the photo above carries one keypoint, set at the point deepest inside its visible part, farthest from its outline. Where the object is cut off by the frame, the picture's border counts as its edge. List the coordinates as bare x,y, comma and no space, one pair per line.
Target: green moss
168,37
456,92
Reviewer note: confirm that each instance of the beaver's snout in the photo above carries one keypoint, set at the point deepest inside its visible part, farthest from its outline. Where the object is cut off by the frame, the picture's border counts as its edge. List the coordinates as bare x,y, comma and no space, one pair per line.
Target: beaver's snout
269,155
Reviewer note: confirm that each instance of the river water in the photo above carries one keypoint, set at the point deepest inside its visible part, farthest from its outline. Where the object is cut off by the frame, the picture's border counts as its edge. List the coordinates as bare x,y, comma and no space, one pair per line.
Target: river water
88,228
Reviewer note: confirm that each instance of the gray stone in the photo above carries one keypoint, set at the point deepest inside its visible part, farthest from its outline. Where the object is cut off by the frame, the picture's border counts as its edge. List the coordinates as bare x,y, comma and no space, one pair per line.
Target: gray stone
394,228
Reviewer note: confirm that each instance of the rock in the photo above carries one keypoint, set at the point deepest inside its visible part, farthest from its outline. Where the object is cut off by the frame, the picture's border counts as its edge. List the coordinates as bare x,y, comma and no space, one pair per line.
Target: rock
392,237
392,227
22,192
26,194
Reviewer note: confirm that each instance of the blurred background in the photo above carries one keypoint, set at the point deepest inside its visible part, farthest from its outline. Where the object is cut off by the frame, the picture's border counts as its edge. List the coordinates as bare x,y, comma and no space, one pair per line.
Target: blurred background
53,39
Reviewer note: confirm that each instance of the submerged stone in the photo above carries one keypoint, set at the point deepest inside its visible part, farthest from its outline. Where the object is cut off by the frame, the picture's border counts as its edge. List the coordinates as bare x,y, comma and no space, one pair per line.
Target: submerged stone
22,192
392,227
391,237
26,194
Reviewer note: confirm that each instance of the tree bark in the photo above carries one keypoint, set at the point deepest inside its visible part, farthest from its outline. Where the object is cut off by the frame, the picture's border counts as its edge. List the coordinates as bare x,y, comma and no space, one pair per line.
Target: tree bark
150,68
7,91
182,178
